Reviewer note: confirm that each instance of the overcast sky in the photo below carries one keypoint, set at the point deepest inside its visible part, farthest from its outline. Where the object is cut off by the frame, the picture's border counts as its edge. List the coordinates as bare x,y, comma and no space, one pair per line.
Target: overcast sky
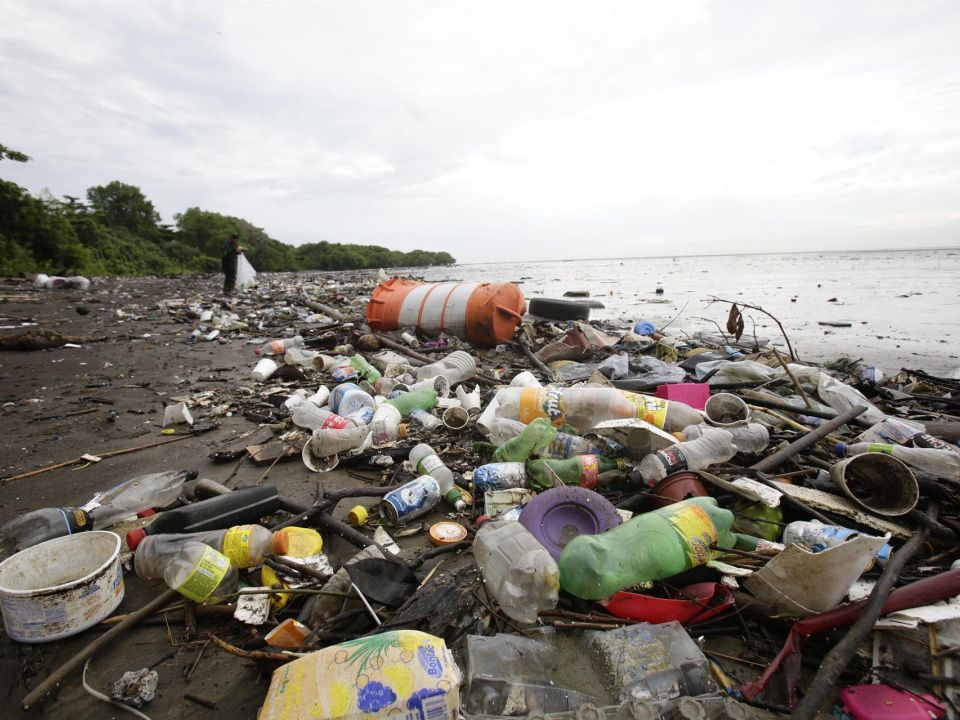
521,130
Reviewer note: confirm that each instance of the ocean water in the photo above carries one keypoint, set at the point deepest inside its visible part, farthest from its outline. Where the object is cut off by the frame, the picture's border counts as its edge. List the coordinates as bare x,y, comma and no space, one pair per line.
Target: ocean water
903,305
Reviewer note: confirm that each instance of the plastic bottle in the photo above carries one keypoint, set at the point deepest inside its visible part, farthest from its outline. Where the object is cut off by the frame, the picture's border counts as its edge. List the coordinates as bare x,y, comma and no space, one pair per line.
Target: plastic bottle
307,415
713,447
502,429
426,461
456,367
146,492
344,372
425,419
897,431
583,408
651,546
410,500
582,470
296,542
281,345
386,425
240,506
535,436
39,526
244,545
368,371
202,574
750,438
327,441
565,445
424,399
499,476
940,463
817,537
347,399
517,570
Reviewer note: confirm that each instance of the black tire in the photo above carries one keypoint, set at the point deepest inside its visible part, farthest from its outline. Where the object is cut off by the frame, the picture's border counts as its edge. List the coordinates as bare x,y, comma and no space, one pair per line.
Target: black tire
558,309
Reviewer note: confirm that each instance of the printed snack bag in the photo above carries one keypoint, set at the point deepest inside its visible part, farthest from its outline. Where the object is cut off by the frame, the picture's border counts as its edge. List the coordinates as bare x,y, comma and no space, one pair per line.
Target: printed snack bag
402,675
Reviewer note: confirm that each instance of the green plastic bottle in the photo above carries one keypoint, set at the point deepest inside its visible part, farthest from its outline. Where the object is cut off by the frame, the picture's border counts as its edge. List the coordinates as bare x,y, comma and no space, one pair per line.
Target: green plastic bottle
652,546
580,470
423,399
369,372
535,436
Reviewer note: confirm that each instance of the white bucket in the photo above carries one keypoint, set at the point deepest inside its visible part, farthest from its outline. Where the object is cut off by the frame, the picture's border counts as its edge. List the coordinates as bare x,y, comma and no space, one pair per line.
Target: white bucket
61,587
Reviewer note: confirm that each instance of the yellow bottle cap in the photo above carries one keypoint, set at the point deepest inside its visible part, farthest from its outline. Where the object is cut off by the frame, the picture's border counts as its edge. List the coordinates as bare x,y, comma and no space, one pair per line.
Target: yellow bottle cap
357,516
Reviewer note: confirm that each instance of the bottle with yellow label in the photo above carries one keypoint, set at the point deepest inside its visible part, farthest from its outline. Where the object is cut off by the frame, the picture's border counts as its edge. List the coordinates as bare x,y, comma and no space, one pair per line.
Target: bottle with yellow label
202,574
244,545
652,546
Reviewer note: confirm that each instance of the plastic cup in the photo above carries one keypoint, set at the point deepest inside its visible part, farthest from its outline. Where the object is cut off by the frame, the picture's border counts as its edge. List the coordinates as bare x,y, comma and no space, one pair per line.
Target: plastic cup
456,418
264,369
880,483
726,409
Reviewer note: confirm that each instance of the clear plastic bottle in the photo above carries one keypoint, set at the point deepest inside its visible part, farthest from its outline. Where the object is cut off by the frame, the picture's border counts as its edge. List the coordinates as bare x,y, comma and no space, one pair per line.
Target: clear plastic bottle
244,545
426,461
202,574
502,429
565,446
817,537
281,345
39,526
535,436
425,419
499,476
517,570
307,415
456,367
750,438
713,447
156,490
940,463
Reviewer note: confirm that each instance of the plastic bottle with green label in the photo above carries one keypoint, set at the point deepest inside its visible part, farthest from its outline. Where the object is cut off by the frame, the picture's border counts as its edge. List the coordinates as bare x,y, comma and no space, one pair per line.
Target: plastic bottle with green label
582,470
653,546
244,545
202,574
535,436
940,463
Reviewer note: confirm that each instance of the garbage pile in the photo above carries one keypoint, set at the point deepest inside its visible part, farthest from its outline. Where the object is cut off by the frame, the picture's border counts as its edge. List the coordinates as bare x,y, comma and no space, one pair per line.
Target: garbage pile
557,518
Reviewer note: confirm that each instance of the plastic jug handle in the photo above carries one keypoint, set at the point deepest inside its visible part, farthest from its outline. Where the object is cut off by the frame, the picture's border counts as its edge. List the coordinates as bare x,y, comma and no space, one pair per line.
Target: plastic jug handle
511,313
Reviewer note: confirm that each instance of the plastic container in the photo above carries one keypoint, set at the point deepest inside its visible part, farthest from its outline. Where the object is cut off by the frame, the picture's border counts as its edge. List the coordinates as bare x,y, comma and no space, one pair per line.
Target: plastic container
713,447
651,546
39,526
726,409
426,461
557,516
366,370
817,537
535,436
439,384
156,490
525,379
281,345
240,506
61,587
320,452
410,500
678,487
582,408
264,369
940,463
485,314
347,399
502,429
424,399
456,367
499,476
693,394
517,570
245,545
878,482
455,418
582,470
202,574
307,415
387,426
750,438
882,702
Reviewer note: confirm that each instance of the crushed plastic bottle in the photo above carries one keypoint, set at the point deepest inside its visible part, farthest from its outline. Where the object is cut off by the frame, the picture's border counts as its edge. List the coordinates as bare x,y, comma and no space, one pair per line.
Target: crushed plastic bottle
535,436
281,345
750,438
39,526
715,446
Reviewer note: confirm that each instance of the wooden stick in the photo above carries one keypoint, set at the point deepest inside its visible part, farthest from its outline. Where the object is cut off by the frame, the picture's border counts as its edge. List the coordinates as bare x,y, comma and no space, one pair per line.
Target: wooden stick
793,378
55,678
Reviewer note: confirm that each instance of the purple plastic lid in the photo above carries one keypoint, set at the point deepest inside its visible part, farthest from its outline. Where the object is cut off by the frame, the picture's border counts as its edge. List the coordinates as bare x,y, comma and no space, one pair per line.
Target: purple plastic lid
557,516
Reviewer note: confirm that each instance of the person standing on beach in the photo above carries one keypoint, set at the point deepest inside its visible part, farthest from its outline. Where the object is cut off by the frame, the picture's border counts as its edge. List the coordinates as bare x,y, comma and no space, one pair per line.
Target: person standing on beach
231,251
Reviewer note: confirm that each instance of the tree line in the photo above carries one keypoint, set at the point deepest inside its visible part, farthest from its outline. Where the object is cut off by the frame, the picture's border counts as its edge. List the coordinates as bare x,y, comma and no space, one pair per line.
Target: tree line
115,230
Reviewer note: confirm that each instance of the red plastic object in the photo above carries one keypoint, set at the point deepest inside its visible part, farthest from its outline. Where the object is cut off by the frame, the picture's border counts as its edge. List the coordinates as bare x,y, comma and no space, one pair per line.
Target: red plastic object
677,487
710,599
693,394
882,702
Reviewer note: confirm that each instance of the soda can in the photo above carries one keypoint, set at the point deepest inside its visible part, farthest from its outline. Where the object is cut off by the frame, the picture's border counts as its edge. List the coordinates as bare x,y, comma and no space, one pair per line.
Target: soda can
410,500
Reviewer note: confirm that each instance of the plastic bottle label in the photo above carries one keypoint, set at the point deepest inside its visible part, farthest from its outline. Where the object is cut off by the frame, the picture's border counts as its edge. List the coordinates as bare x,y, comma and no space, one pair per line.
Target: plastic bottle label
697,532
589,470
652,410
673,459
532,401
429,464
236,545
335,421
205,576
277,346
880,448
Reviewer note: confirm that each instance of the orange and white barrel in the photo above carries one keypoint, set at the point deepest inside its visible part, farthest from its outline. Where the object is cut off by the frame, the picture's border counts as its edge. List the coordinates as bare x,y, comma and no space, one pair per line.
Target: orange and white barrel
483,313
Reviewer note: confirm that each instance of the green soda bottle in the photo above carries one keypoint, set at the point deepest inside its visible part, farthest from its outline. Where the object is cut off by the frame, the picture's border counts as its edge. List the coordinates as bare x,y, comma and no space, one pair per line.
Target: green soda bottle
581,470
652,546
535,436
369,372
423,399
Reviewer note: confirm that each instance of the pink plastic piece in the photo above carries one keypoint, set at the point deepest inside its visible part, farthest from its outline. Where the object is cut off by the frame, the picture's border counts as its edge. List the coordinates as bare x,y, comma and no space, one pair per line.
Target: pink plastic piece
693,394
882,702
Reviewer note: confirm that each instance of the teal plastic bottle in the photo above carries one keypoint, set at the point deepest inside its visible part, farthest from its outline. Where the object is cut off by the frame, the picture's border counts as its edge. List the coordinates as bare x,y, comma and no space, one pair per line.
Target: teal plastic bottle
534,437
652,546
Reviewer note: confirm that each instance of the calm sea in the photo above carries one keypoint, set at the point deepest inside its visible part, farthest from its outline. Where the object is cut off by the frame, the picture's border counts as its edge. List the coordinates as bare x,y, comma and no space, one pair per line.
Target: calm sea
903,306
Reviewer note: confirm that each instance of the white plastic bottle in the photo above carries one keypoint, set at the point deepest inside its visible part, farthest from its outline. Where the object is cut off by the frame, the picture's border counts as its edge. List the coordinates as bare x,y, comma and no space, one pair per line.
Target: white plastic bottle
307,415
202,574
387,425
426,461
281,345
940,463
749,438
244,545
715,446
456,367
517,570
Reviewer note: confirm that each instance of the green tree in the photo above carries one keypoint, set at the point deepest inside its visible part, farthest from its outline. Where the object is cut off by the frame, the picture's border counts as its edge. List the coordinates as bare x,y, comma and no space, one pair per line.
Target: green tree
119,205
11,154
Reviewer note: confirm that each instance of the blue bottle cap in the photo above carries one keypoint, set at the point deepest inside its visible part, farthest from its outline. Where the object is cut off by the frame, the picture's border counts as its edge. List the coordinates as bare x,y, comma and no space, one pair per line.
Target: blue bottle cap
839,449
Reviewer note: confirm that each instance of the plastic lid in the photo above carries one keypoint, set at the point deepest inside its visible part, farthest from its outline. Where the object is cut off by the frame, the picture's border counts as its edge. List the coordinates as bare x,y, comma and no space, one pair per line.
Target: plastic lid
134,537
280,543
839,449
357,515
447,533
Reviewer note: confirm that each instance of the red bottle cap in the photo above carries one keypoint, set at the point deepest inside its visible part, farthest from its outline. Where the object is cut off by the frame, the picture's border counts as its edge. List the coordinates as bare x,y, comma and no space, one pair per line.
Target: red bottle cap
134,537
